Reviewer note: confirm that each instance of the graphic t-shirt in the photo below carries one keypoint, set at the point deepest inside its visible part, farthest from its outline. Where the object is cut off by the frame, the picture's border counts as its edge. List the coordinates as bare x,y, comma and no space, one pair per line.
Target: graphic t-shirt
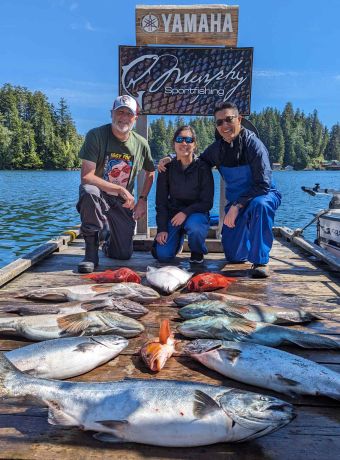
117,168
116,161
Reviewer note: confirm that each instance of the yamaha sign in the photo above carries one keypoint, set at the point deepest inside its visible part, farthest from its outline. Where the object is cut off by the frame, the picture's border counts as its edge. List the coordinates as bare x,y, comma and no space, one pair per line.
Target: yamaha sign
195,24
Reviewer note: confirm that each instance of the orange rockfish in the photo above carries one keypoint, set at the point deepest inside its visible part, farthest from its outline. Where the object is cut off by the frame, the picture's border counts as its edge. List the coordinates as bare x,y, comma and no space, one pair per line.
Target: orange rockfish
157,351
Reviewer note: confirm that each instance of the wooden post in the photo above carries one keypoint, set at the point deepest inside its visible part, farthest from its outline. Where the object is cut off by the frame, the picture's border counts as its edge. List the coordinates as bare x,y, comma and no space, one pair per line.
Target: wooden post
142,224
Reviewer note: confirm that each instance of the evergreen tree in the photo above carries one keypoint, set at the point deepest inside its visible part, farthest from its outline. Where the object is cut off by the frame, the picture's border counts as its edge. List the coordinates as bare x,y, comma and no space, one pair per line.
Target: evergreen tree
333,147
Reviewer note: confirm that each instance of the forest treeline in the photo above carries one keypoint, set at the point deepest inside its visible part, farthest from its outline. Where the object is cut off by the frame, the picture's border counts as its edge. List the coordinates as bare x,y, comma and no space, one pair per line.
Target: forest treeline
291,137
35,134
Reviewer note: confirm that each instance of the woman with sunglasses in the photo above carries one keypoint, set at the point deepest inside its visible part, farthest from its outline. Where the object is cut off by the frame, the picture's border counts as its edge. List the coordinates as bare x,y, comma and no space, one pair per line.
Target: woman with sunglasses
184,196
252,198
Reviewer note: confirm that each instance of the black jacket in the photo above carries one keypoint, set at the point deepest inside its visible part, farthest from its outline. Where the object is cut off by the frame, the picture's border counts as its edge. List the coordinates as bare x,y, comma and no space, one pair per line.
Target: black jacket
183,190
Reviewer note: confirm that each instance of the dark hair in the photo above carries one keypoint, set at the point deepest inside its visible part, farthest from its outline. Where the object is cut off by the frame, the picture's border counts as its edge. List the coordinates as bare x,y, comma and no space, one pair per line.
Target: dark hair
226,105
182,128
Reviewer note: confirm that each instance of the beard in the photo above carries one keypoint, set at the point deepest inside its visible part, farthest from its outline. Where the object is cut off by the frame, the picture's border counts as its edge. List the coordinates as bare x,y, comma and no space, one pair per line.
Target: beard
123,128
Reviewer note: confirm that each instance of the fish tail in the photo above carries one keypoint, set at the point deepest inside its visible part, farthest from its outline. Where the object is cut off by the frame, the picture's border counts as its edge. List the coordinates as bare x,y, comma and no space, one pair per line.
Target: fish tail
8,372
164,331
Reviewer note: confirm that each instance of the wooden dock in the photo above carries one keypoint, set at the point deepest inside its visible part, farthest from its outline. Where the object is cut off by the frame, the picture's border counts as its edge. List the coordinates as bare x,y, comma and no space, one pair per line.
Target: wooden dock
296,281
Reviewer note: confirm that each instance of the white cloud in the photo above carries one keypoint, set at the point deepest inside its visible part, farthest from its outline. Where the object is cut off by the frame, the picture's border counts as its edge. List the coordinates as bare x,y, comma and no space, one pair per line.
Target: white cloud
83,26
89,27
337,77
73,6
274,73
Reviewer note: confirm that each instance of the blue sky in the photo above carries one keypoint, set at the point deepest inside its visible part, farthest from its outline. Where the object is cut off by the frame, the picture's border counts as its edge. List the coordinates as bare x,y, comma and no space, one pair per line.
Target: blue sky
69,48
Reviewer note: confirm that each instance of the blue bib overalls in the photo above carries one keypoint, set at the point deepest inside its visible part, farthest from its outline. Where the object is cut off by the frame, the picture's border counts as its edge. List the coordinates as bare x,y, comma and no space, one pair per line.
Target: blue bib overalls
252,237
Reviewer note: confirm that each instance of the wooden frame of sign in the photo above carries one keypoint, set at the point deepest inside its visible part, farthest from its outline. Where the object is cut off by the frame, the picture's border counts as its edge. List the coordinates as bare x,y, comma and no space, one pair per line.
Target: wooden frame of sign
187,25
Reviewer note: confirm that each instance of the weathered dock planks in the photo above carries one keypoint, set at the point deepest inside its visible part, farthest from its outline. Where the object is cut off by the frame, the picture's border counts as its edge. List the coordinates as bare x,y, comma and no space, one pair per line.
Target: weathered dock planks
296,281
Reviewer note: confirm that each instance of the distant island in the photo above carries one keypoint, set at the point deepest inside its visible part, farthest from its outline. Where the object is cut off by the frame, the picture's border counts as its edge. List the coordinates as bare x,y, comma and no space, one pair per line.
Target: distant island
35,134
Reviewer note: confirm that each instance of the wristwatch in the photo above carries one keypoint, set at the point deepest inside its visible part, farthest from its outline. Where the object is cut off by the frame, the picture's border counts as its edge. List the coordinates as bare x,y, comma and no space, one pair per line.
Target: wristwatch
237,205
143,197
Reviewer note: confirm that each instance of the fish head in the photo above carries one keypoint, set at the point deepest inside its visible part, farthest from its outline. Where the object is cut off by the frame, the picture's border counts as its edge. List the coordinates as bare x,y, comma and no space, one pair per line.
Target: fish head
202,308
124,325
155,355
198,327
261,414
191,311
190,297
200,346
111,341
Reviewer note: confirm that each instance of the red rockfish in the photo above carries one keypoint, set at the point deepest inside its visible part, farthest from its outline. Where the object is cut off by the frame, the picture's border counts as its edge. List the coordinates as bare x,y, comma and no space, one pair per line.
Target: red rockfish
122,275
209,282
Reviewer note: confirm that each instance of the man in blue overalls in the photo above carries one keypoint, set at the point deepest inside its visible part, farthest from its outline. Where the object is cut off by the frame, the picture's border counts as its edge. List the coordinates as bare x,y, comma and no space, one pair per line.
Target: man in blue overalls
252,199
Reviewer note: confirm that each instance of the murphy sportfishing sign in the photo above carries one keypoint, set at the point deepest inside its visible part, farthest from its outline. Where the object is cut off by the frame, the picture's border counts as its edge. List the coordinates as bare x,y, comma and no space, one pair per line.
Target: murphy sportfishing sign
186,81
187,25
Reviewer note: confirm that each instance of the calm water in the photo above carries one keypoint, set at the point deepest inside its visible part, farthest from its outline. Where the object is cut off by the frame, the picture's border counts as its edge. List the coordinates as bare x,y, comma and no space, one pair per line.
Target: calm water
39,205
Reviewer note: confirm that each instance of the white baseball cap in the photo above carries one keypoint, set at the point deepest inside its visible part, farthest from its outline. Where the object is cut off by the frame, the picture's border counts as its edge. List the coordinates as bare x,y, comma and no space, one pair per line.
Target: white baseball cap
125,101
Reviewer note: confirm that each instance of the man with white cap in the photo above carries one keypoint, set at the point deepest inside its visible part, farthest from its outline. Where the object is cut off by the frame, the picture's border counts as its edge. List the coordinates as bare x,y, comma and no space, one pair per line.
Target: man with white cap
112,155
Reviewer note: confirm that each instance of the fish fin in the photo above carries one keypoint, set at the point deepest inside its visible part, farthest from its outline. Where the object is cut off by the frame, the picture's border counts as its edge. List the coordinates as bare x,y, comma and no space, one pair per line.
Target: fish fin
240,329
107,437
204,404
286,381
232,354
34,372
236,310
73,323
57,416
87,346
117,425
164,331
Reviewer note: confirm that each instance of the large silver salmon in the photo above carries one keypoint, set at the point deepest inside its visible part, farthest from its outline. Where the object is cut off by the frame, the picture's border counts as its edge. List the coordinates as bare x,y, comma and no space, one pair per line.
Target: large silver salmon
265,314
68,357
157,412
86,292
266,367
225,328
46,327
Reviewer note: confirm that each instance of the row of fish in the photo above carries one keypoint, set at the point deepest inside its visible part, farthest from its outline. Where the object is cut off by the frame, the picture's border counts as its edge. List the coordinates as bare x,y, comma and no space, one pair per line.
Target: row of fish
159,412
167,279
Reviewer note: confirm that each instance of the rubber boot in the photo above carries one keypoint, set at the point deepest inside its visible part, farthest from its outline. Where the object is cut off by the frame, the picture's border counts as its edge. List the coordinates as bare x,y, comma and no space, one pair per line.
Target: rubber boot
91,259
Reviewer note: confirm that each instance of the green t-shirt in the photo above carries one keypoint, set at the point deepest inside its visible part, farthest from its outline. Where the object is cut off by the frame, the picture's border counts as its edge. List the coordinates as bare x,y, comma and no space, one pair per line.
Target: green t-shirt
117,161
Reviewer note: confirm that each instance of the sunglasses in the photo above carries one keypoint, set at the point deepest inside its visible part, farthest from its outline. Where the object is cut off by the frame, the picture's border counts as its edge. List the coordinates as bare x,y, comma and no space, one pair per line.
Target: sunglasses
229,119
181,139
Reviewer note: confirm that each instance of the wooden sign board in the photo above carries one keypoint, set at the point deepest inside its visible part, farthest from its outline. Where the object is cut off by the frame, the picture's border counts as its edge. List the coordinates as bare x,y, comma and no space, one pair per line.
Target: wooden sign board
186,81
187,25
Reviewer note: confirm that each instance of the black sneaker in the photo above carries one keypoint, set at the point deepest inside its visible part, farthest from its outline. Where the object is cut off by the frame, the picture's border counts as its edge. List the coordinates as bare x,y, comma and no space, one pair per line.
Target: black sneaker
196,258
259,271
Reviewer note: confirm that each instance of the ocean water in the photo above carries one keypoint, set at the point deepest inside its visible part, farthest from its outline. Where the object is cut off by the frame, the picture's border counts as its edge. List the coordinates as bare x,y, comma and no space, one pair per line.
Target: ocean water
36,206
